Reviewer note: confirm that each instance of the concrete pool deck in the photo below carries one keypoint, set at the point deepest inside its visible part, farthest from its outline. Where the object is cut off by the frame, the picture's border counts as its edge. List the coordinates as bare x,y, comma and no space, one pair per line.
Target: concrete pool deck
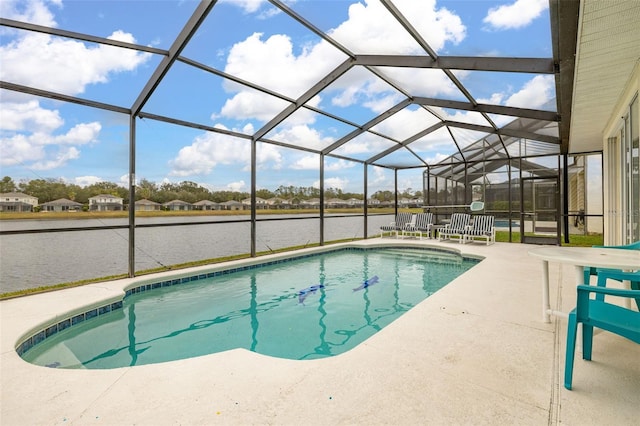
475,352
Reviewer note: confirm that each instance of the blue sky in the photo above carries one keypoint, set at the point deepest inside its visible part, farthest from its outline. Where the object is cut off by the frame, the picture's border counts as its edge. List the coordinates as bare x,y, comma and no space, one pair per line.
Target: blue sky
252,40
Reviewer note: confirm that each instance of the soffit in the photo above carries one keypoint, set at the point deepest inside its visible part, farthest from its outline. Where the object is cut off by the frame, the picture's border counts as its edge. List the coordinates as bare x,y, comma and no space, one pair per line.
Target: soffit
608,49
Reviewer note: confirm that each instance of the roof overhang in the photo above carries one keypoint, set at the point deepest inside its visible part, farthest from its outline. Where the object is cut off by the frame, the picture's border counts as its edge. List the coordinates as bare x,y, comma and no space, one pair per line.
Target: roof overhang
608,49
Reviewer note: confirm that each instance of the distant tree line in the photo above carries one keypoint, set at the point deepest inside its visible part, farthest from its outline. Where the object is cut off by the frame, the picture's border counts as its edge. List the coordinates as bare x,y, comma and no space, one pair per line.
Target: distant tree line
53,189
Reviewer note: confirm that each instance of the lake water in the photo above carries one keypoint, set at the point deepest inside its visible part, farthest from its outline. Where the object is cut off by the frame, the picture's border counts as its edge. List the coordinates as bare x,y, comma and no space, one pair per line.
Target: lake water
34,260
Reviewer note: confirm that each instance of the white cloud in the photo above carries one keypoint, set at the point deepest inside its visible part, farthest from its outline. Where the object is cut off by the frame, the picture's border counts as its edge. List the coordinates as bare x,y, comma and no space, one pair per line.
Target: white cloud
31,140
86,180
268,157
302,135
32,11
60,158
517,15
251,104
359,85
56,63
308,162
382,178
124,181
248,6
495,98
213,149
29,116
80,134
33,136
406,123
237,186
272,63
275,63
65,66
206,152
339,165
371,29
535,93
333,183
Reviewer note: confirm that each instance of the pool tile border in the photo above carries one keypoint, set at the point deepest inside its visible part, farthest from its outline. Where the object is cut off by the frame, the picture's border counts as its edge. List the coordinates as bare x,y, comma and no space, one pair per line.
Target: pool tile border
41,335
51,330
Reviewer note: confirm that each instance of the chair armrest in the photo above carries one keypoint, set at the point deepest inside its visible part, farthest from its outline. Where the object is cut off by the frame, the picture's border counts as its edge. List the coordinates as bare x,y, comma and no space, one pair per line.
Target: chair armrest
632,294
617,274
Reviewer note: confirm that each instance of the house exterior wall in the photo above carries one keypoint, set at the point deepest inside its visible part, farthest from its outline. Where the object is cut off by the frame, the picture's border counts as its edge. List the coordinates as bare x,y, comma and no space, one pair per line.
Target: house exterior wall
621,224
61,206
103,203
17,202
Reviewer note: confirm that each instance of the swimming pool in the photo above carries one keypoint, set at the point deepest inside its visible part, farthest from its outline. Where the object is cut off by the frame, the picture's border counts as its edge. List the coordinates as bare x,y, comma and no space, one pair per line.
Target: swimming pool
306,307
504,223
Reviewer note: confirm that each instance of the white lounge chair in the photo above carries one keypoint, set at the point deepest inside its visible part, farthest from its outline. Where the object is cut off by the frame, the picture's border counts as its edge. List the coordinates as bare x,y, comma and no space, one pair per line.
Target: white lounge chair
455,228
481,228
422,225
398,225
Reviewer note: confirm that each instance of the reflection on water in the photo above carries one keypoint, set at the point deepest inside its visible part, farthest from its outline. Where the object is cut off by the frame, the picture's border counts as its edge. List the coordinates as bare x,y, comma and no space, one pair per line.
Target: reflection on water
258,310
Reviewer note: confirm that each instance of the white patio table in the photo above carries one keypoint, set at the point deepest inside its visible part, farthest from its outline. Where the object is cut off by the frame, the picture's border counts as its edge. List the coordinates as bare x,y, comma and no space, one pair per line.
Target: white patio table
581,257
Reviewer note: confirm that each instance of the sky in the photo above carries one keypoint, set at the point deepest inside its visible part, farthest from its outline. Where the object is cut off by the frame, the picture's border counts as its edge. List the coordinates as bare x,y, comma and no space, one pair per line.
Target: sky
259,44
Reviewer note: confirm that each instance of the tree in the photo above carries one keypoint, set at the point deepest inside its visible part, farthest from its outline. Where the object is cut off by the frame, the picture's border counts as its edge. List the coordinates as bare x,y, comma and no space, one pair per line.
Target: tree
146,190
264,194
45,190
7,185
383,196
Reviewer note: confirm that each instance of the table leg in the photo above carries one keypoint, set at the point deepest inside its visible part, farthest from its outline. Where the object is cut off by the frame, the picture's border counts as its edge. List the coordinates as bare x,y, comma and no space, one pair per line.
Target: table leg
546,306
579,275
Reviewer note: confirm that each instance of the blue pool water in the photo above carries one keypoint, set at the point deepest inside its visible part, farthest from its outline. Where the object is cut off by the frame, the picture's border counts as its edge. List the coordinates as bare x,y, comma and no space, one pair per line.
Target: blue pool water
311,307
504,223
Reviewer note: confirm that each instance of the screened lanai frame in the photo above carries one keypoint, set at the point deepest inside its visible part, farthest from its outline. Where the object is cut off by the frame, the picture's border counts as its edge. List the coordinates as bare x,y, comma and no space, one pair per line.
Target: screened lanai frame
563,17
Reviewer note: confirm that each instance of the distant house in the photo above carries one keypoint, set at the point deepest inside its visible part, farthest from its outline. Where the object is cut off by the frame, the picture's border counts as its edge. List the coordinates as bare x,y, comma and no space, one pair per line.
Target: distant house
105,203
232,205
206,205
354,202
335,203
278,203
312,203
61,205
177,205
147,206
17,202
261,203
410,202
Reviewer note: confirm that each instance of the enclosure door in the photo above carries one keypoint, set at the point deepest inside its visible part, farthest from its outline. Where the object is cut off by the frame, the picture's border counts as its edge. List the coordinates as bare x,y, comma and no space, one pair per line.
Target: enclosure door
540,211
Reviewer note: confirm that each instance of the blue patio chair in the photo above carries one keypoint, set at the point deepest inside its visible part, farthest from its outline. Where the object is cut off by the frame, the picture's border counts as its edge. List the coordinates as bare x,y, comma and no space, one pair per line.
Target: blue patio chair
422,225
598,313
590,270
456,227
614,274
398,225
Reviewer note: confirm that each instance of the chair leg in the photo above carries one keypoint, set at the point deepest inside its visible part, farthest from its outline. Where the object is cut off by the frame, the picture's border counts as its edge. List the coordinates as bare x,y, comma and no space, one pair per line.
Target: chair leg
635,285
587,341
572,330
602,282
